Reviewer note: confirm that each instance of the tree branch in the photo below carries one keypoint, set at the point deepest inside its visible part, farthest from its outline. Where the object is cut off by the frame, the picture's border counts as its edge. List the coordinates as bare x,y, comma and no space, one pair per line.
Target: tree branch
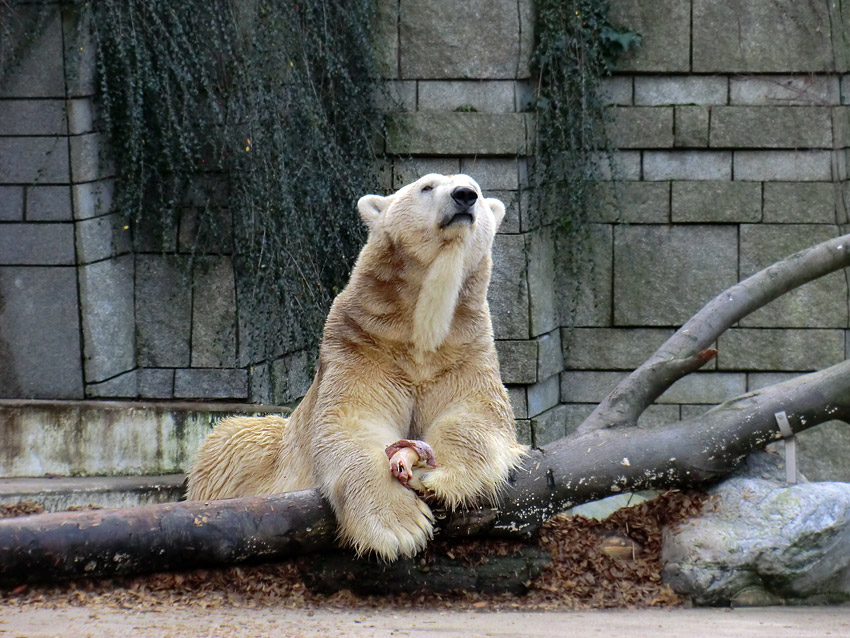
687,349
574,470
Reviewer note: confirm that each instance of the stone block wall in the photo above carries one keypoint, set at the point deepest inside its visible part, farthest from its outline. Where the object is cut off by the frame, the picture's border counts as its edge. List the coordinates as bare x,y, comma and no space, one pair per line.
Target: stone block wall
730,125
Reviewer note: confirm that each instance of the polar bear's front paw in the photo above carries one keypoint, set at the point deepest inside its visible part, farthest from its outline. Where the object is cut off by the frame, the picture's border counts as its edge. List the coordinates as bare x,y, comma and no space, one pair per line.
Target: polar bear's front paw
402,527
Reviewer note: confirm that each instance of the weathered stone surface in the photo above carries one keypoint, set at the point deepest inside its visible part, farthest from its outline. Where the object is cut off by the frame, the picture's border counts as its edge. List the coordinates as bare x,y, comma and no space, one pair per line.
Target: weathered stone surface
385,37
494,173
11,203
549,426
49,204
89,161
523,432
784,36
39,333
33,117
488,96
80,54
691,130
41,71
610,348
92,199
37,244
214,313
517,361
617,165
640,127
583,276
543,301
799,202
34,160
508,293
457,134
664,165
492,40
591,386
784,90
771,127
519,400
207,383
764,544
293,374
407,170
81,115
785,166
710,201
663,275
630,202
156,383
665,26
108,316
822,303
780,349
706,387
616,90
124,386
513,201
550,358
163,311
543,396
654,90
102,237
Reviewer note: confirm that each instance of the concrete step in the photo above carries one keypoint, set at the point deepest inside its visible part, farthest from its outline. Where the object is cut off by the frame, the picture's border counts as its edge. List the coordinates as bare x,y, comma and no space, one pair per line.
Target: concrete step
60,493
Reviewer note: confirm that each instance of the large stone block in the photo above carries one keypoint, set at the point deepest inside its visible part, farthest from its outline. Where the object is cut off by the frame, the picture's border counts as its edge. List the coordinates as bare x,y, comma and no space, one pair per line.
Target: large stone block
616,90
409,169
783,166
630,202
663,275
385,37
200,383
11,203
779,349
39,334
709,201
799,202
89,159
822,303
508,293
542,396
49,204
156,383
783,36
102,237
517,361
163,311
665,26
33,117
640,127
214,313
81,116
771,127
784,90
617,165
490,96
92,199
34,160
550,357
40,72
458,133
292,375
491,40
493,173
37,244
583,277
664,165
655,90
549,426
124,386
691,130
590,386
543,301
610,348
108,315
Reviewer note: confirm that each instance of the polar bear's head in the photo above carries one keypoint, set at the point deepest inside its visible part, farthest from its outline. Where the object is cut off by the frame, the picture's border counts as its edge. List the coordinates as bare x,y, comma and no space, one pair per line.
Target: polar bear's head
433,212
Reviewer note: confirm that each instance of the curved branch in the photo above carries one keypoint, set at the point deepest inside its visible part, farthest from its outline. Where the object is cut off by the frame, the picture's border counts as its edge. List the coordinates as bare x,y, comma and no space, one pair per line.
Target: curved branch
687,349
574,470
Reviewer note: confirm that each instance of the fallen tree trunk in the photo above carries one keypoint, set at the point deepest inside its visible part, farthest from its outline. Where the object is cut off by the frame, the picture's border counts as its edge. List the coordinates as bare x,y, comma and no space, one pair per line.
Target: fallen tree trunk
609,456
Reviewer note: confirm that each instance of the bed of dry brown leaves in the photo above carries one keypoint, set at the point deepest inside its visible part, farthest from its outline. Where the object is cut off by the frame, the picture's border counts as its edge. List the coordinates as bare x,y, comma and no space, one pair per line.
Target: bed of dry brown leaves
596,564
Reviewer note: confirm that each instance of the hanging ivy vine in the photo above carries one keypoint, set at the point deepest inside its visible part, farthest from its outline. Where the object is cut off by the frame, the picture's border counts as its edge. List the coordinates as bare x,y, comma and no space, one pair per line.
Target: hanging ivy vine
576,48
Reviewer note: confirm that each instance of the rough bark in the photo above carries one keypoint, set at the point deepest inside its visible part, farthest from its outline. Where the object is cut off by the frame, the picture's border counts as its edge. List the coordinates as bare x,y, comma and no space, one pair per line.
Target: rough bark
608,455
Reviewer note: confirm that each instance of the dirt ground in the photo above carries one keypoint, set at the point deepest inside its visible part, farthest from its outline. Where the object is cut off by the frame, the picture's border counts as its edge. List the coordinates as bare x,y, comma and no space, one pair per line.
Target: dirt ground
102,621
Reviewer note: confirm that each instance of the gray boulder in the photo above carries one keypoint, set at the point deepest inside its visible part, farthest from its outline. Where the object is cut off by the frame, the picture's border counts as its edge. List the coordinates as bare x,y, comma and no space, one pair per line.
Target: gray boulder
761,543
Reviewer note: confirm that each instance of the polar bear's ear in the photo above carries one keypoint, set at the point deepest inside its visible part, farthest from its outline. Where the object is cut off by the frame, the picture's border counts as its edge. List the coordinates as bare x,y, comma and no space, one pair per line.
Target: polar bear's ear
498,209
371,207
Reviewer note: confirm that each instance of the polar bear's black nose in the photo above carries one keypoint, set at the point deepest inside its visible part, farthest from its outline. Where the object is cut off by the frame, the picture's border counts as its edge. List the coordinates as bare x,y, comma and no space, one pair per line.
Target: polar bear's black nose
464,197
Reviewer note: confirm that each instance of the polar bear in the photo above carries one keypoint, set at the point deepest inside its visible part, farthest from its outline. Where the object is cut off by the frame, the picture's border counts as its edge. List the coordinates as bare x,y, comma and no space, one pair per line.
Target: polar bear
407,406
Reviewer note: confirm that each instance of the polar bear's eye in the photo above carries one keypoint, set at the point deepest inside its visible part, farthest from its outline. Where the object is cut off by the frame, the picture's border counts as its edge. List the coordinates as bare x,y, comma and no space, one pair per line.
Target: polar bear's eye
427,188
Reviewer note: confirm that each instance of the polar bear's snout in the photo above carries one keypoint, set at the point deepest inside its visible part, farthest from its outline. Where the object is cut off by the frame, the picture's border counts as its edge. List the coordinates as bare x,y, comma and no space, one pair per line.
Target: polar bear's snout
464,212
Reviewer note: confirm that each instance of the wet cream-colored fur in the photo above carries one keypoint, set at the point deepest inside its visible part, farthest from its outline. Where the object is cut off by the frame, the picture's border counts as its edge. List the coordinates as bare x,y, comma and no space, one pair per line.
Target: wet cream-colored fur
407,353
